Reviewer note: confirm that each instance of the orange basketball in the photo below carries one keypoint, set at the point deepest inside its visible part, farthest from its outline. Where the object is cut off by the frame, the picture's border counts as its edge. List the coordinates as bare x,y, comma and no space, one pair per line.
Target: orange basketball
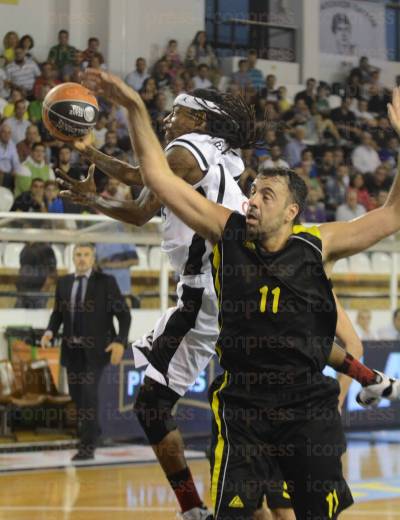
69,111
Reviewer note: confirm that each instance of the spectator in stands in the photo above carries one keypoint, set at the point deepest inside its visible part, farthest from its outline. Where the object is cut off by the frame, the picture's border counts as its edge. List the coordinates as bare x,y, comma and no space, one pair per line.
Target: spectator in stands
161,75
99,131
326,169
345,120
136,78
299,115
378,99
202,78
10,43
377,181
322,100
365,158
36,106
47,77
71,71
22,72
383,132
95,62
200,51
111,145
177,87
354,86
62,54
315,209
256,76
363,70
32,200
24,147
4,91
86,303
357,182
114,189
173,58
351,208
388,154
392,331
308,94
158,114
269,92
17,123
116,260
34,167
275,160
283,103
9,109
363,116
241,77
93,46
38,271
27,43
149,92
363,326
381,198
9,161
295,146
338,157
54,202
335,190
64,163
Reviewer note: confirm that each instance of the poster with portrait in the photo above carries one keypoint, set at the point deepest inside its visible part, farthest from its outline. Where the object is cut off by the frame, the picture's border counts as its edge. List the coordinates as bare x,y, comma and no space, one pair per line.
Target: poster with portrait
350,28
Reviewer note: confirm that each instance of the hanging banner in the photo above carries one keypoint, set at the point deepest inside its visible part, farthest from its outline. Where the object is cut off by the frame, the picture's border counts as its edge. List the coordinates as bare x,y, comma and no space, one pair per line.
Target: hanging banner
351,28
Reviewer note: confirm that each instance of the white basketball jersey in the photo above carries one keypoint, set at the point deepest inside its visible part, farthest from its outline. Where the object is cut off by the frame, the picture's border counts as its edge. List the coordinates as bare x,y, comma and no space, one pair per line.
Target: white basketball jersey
189,253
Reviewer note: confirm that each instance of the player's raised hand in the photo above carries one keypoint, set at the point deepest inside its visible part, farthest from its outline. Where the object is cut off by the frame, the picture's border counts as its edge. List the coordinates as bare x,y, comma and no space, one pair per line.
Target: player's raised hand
394,110
81,192
109,86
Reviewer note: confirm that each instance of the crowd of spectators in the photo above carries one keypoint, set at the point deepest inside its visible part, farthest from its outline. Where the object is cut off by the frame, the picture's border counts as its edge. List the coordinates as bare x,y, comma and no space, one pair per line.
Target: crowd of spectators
344,148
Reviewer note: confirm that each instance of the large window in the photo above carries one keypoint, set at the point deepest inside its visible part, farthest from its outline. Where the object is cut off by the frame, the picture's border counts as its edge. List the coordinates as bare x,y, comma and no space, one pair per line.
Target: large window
234,26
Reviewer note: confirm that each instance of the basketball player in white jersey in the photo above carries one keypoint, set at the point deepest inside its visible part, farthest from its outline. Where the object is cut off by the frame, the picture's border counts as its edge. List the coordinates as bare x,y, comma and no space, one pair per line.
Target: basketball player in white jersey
202,130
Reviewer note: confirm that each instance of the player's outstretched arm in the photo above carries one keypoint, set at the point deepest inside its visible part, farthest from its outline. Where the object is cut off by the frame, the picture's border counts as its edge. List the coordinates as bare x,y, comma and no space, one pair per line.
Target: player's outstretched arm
342,239
206,218
111,166
136,212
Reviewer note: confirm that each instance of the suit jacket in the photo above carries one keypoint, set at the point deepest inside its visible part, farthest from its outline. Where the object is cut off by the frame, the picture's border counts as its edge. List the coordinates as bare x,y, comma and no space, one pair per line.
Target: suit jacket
103,301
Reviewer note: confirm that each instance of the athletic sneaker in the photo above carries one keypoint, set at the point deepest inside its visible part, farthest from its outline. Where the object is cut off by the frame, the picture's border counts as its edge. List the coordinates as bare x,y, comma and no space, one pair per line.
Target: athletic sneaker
197,513
386,387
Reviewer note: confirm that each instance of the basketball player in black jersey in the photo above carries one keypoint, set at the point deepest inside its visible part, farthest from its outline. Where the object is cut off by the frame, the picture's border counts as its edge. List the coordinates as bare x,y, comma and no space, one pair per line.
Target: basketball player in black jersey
278,318
182,121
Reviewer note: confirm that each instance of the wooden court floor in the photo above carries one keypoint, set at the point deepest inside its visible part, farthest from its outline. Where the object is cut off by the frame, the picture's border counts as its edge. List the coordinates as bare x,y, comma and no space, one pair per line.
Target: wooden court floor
139,492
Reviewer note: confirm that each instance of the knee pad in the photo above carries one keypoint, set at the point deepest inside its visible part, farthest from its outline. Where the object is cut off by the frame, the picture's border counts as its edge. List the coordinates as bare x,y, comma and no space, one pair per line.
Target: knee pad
153,409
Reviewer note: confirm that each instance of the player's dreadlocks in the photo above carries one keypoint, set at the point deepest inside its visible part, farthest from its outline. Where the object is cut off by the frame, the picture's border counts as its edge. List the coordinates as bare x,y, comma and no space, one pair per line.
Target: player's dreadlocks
236,123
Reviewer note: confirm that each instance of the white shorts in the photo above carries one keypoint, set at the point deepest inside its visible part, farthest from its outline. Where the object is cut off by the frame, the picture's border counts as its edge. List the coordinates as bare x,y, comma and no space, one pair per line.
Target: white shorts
183,340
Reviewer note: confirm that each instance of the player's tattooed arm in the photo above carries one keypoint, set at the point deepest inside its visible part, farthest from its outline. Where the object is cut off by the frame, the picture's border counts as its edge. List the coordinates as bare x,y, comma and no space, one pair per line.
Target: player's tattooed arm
111,166
136,212
341,239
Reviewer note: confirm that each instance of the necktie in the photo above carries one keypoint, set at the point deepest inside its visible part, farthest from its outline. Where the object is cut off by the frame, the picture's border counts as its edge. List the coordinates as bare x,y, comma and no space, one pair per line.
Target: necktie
77,325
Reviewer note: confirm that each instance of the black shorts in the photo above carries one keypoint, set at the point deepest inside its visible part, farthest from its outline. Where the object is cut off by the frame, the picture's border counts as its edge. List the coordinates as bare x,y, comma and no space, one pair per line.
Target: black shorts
249,443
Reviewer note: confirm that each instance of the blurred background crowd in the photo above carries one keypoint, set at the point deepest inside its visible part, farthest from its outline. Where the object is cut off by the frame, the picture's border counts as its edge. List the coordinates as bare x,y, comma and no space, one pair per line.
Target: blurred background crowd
337,137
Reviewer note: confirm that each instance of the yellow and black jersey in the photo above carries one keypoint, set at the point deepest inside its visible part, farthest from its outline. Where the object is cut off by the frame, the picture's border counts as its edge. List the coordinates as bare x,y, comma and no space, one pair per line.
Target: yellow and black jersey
277,313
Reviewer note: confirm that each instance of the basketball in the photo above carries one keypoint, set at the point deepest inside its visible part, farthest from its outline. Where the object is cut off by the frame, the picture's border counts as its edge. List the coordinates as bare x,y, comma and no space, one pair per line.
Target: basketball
69,111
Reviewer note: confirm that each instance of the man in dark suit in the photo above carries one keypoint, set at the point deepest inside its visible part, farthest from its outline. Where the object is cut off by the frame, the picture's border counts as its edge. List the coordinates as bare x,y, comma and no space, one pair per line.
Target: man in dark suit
86,303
